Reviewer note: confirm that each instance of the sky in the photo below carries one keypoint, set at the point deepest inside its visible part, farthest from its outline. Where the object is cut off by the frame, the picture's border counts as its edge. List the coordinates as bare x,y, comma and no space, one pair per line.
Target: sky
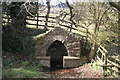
55,2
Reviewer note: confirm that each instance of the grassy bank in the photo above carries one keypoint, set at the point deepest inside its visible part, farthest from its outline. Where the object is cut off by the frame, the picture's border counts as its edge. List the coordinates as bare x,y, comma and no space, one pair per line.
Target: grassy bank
15,66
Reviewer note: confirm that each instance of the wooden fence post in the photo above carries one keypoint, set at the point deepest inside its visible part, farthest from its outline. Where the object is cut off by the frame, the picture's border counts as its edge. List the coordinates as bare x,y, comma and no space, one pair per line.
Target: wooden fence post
37,5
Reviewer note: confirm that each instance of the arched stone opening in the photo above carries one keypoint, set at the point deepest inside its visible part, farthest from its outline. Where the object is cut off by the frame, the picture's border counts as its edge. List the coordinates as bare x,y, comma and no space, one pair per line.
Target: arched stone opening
56,51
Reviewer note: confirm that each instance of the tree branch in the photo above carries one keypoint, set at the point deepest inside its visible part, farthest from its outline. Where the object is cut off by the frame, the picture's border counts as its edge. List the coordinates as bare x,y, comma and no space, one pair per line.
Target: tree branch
47,15
115,5
71,13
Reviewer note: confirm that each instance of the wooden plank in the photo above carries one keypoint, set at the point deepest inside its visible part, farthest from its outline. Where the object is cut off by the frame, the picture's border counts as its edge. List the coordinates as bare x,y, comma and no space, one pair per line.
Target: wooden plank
100,60
5,17
116,54
38,25
98,50
72,28
110,65
104,49
101,51
4,22
116,75
116,65
28,17
116,58
65,21
109,71
41,20
112,73
112,69
45,16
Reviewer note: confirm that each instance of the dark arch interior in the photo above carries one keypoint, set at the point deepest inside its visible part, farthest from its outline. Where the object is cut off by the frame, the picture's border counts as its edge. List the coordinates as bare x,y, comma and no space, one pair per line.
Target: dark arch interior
56,51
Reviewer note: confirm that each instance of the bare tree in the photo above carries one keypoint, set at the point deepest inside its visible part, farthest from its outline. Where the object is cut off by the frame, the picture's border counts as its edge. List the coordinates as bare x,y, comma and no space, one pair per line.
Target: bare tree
48,12
91,16
71,14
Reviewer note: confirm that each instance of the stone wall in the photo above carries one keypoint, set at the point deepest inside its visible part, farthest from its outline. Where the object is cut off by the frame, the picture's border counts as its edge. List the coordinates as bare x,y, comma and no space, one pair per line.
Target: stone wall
70,42
67,61
73,46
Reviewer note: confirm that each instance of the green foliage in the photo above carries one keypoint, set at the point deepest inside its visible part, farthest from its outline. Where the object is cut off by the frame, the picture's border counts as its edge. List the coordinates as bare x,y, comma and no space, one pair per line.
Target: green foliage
16,37
85,47
108,74
95,66
22,69
112,59
7,62
28,46
28,72
88,13
17,43
25,63
17,9
19,40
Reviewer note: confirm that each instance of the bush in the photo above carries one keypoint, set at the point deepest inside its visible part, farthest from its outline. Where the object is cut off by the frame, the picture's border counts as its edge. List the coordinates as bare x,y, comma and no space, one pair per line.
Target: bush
14,41
17,39
85,47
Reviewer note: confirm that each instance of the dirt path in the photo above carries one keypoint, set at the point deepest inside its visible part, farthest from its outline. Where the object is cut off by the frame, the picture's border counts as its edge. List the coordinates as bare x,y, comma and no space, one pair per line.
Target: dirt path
85,71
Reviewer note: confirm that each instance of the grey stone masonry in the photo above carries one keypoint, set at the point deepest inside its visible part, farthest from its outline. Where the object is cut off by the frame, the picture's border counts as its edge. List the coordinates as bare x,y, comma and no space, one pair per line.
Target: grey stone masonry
70,42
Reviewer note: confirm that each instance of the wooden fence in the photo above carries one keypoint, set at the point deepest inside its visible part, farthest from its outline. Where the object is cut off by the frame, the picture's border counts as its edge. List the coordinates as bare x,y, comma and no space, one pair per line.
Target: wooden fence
39,22
110,63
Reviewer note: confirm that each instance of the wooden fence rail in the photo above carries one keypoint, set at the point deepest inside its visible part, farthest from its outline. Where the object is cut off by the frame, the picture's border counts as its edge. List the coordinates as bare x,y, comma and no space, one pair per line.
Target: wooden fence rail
109,63
52,21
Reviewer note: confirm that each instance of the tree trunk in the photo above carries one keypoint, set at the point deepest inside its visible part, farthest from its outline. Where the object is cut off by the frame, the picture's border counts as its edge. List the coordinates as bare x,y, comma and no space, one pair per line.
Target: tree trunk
37,5
47,15
119,32
93,47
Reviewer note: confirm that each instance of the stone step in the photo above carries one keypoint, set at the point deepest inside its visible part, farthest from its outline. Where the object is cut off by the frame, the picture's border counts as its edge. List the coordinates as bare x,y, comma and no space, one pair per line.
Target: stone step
64,57
71,57
68,61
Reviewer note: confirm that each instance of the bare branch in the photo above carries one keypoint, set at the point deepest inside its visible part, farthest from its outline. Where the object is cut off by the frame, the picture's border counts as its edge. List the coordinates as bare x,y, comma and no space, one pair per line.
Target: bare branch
117,6
103,15
47,15
71,14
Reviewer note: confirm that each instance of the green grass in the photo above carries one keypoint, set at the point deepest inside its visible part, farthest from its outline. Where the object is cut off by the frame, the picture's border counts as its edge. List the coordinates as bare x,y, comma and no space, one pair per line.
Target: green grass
24,72
20,73
17,68
95,64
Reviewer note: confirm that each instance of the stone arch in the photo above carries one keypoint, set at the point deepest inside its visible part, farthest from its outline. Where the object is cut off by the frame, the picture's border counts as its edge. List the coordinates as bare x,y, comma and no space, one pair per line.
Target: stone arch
55,47
56,51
